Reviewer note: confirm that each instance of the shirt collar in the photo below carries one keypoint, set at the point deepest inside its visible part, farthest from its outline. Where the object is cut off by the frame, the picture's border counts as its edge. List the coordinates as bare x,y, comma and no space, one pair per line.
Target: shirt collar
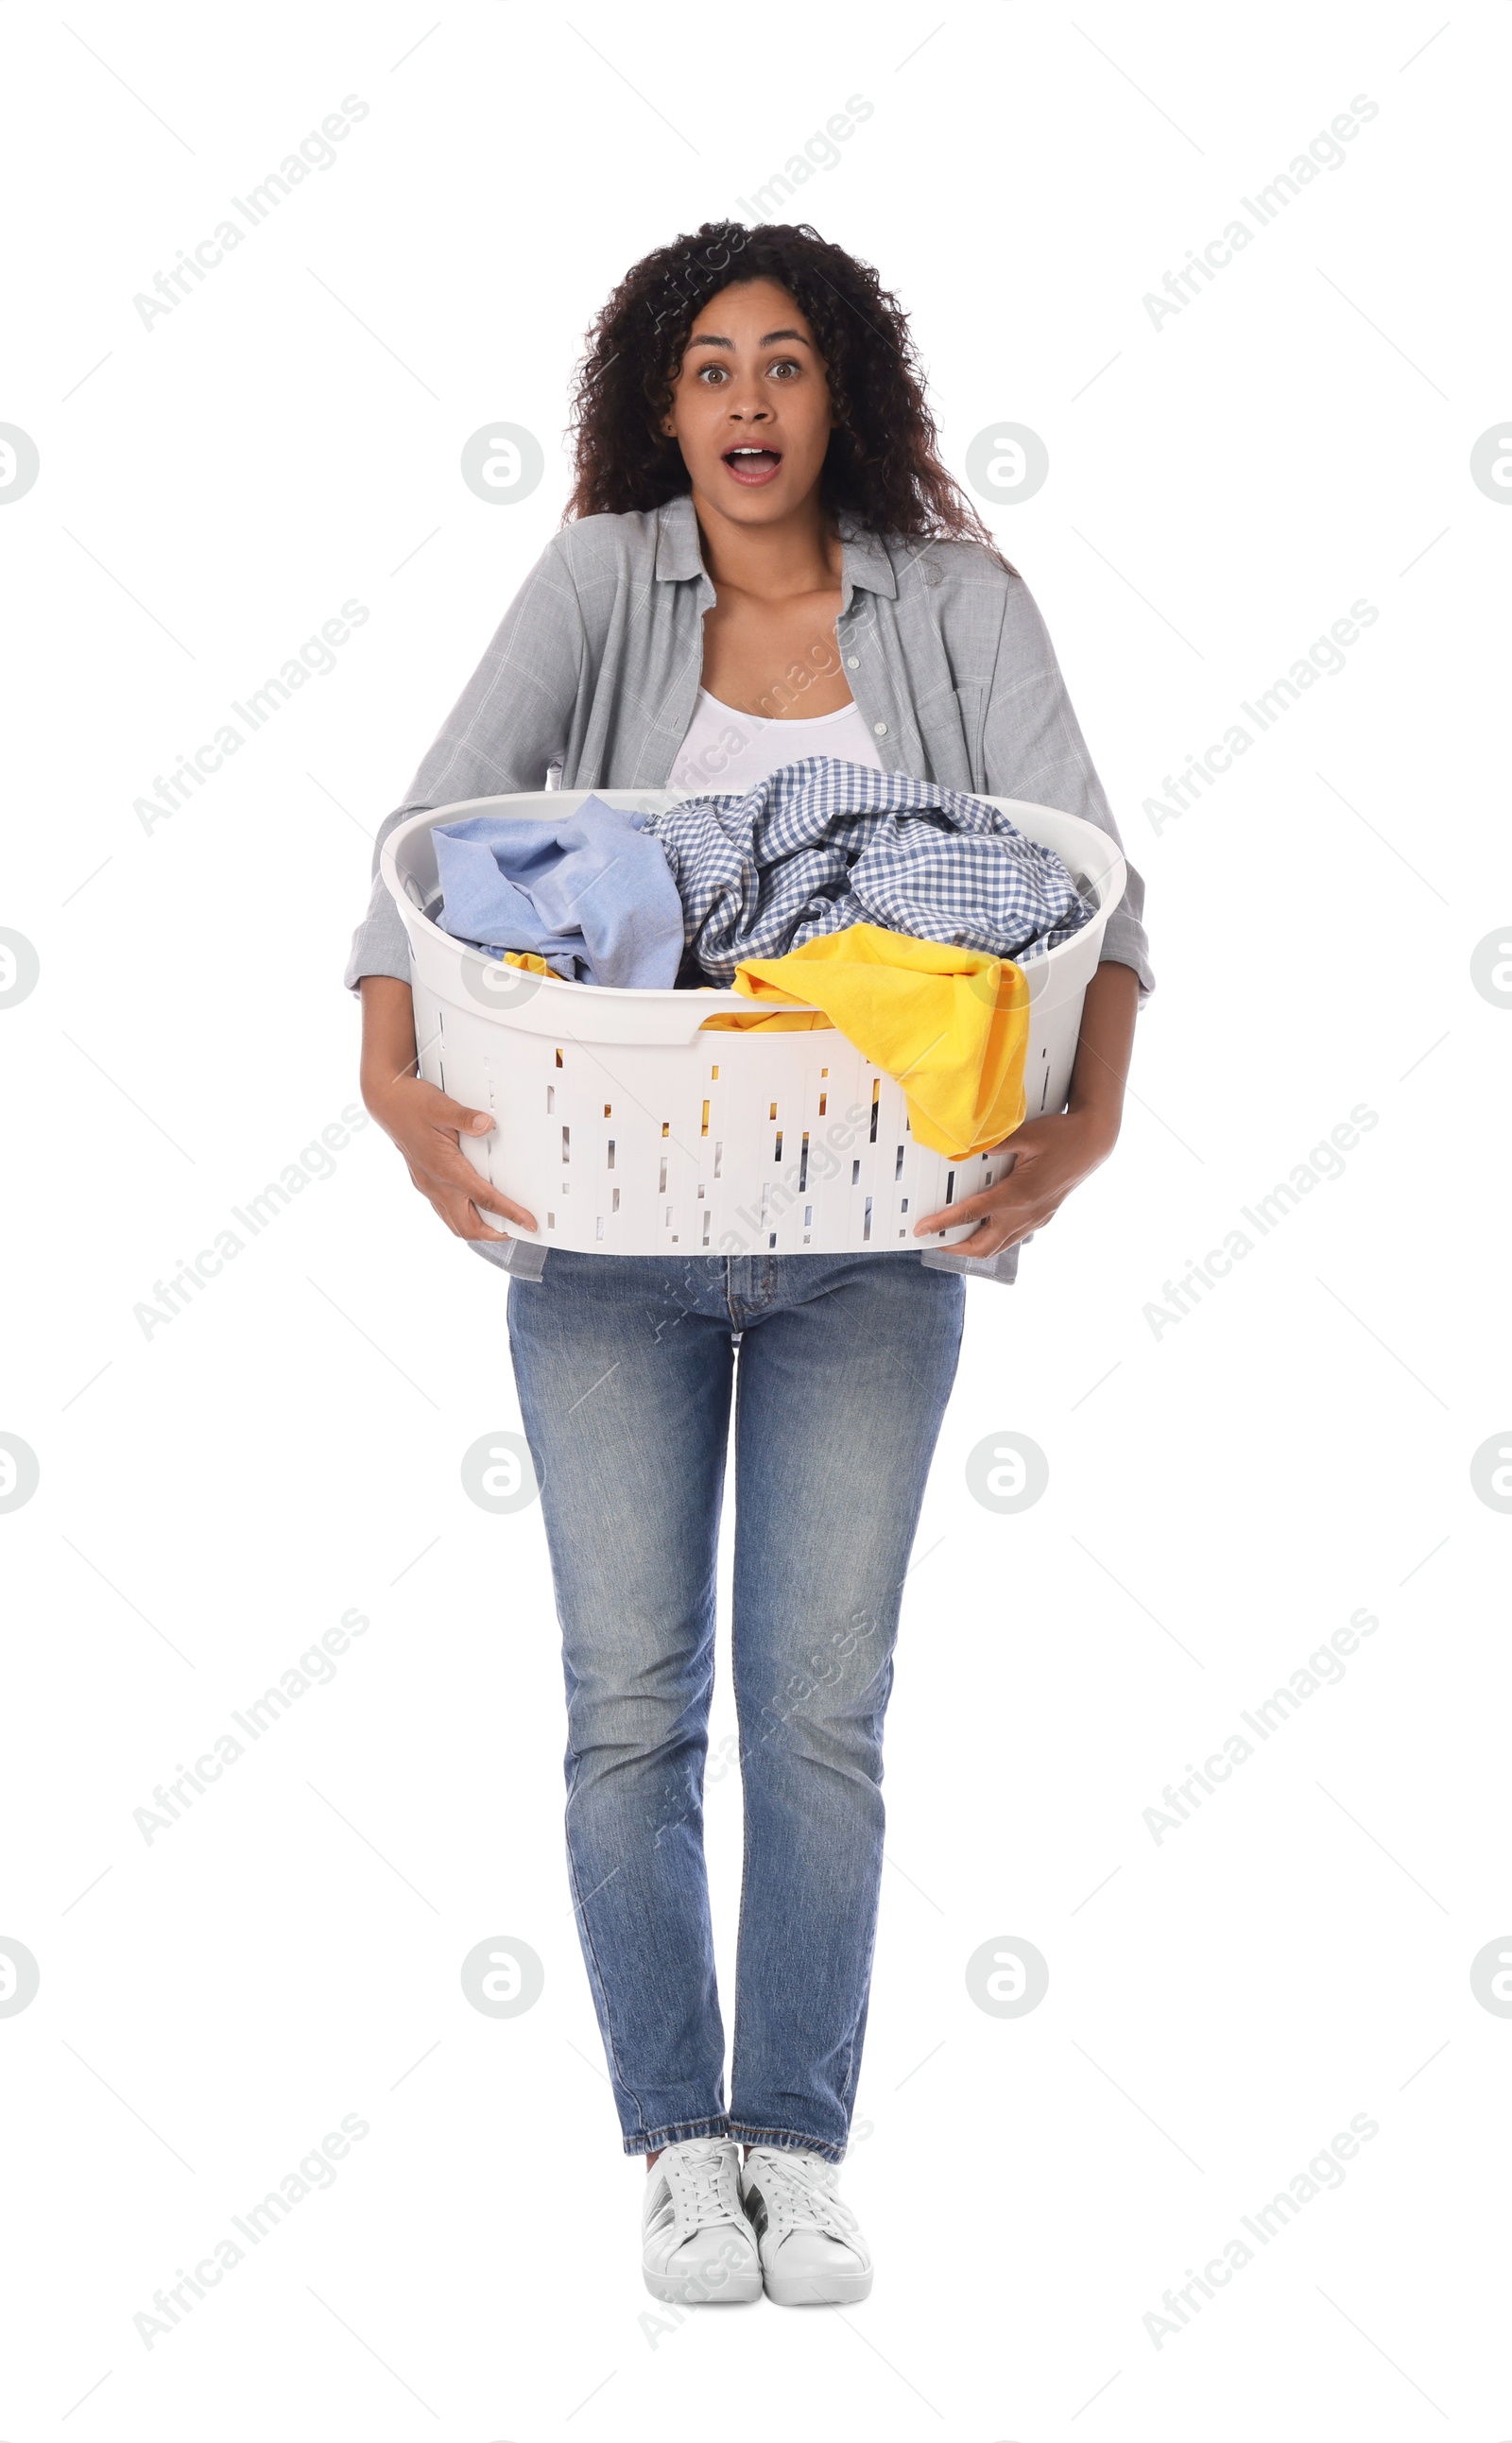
864,563
677,552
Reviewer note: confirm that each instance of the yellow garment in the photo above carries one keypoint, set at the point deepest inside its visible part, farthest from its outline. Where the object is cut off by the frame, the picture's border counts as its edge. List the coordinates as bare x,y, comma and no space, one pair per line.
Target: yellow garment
766,1021
534,962
951,1025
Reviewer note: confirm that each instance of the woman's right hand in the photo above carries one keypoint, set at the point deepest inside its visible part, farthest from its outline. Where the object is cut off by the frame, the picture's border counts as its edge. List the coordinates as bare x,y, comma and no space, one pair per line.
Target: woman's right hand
424,1123
428,1127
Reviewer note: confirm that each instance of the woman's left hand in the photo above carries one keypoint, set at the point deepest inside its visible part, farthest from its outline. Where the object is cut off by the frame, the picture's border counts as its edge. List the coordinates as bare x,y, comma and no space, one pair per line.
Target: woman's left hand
1051,1157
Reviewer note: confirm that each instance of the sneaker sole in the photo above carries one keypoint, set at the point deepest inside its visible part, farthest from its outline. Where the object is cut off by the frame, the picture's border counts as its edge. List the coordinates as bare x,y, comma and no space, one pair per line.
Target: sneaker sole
687,2290
817,2289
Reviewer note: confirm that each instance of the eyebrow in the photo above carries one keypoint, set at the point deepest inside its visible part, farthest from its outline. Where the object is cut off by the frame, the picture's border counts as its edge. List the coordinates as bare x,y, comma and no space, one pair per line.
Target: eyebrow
706,339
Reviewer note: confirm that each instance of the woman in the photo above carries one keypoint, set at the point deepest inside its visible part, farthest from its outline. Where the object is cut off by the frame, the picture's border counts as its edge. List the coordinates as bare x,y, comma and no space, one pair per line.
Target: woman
764,559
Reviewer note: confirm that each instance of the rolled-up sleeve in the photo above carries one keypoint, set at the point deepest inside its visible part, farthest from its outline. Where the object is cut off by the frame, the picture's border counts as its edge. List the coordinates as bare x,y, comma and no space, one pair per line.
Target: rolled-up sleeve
511,719
1034,749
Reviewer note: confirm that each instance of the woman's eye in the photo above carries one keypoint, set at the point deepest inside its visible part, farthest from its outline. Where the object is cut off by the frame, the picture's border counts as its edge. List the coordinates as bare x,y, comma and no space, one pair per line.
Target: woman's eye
711,373
786,365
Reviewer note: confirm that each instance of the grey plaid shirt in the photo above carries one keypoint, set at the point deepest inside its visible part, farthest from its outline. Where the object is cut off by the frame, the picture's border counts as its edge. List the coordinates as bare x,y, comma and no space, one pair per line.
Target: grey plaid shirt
597,664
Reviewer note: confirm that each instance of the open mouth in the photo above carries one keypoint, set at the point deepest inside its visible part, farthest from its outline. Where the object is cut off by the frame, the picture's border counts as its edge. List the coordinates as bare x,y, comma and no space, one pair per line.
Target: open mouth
751,464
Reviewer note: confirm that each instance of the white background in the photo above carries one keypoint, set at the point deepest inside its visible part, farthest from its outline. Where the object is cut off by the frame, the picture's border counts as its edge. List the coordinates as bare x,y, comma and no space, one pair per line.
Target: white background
1222,1496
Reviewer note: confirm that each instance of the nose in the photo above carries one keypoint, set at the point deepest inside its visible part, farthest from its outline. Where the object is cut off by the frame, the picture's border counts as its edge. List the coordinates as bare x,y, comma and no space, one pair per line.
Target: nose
746,405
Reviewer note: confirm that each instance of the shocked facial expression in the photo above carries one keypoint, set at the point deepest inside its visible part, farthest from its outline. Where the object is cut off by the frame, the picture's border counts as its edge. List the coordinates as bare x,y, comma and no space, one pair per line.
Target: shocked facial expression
751,406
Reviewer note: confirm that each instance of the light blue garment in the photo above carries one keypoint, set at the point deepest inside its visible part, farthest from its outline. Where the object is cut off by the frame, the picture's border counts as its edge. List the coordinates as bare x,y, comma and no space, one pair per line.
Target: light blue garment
591,892
626,1365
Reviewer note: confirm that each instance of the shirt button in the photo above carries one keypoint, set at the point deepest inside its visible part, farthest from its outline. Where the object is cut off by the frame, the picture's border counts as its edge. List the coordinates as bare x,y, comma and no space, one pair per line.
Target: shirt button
853,661
880,729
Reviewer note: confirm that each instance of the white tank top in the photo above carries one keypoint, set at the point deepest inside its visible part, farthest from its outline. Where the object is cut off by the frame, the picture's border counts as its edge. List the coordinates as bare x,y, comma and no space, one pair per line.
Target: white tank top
726,751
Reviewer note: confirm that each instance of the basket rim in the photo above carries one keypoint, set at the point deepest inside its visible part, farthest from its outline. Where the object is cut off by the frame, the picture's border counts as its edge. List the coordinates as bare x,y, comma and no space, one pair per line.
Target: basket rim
1106,854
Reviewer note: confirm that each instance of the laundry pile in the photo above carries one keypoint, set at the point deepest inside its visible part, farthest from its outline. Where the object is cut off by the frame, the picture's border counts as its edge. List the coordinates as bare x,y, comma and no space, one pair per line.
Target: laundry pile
822,844
902,913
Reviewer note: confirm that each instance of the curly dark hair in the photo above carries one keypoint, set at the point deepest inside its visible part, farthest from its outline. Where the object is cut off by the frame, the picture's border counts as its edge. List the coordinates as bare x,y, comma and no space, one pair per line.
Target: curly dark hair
882,464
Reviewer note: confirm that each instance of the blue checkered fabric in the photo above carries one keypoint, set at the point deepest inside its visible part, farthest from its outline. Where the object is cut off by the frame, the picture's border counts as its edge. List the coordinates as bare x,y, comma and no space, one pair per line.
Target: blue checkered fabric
822,844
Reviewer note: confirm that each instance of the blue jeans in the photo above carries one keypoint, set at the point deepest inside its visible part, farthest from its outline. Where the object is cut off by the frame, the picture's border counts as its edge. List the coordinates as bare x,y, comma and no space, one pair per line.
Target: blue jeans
625,1366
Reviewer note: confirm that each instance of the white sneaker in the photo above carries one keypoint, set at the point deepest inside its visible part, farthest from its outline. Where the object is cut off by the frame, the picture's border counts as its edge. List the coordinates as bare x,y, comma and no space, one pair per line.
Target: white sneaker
812,2252
697,2246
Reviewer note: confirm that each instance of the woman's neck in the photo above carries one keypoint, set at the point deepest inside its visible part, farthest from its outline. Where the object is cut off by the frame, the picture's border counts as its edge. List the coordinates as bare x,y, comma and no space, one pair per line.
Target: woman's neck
799,554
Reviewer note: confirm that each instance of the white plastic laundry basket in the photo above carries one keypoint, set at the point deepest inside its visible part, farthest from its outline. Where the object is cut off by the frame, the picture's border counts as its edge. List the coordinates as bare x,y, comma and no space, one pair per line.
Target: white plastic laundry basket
626,1131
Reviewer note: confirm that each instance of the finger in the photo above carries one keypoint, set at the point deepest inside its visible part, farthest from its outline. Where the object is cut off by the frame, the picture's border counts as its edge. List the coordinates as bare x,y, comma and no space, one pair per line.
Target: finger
474,1226
981,1246
487,1201
444,1112
982,1242
987,1241
972,1209
1000,1226
462,1217
447,1167
503,1208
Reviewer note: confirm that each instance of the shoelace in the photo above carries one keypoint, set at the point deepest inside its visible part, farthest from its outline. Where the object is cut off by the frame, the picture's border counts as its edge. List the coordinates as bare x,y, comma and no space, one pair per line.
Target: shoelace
801,2196
702,2185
